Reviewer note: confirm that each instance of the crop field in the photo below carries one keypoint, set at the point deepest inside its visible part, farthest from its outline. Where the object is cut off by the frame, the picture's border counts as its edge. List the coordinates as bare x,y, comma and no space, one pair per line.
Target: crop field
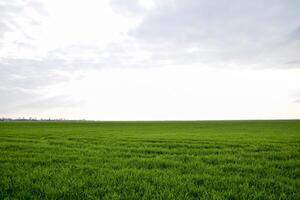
150,160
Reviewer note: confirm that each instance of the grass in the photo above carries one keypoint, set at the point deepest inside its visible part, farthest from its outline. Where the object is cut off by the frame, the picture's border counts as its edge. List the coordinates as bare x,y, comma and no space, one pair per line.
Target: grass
150,160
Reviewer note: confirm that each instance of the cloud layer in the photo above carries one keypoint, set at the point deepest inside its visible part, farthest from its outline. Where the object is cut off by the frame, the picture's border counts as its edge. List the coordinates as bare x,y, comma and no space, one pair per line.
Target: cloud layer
43,44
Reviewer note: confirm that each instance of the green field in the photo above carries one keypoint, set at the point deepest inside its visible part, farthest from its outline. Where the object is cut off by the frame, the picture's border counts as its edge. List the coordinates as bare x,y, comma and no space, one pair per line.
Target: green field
150,160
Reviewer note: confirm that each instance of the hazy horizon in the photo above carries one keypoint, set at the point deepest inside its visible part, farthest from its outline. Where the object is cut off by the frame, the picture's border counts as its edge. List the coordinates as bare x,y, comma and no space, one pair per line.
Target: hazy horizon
138,60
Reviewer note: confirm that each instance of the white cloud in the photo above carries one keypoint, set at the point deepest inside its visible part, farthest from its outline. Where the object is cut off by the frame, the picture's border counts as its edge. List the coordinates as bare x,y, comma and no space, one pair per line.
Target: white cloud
184,93
147,4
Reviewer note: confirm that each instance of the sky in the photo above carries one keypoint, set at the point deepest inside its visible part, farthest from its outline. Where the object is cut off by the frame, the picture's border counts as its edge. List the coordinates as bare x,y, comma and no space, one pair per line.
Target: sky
150,59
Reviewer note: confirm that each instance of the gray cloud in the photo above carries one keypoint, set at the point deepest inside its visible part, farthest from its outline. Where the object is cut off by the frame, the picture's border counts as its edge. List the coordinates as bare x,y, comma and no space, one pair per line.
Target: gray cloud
30,74
295,35
31,101
12,10
11,97
297,61
47,103
8,11
21,81
228,32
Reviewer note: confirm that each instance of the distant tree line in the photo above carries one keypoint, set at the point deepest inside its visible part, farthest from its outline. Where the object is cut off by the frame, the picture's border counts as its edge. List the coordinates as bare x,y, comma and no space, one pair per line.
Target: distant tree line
34,119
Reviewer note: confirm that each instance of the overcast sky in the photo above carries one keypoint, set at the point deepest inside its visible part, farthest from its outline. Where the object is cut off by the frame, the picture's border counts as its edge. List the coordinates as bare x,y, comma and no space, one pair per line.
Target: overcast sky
150,59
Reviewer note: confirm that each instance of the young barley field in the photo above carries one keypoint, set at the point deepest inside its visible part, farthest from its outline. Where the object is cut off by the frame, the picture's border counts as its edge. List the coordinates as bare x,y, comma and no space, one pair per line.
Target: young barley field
150,160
